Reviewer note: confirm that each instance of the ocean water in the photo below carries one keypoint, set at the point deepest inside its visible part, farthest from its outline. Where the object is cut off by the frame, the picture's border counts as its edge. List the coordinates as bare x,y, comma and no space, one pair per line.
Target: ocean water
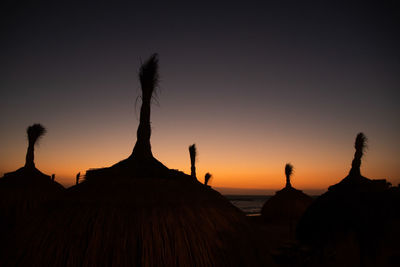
249,204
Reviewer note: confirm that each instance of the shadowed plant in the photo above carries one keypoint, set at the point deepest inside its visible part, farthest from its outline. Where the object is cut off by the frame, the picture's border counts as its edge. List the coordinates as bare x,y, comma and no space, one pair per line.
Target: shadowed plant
193,153
34,132
288,173
207,178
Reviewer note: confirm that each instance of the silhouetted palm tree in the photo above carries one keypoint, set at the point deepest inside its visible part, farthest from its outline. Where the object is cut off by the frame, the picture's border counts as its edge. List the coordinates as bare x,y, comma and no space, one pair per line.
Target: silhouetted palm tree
34,133
288,173
193,153
207,178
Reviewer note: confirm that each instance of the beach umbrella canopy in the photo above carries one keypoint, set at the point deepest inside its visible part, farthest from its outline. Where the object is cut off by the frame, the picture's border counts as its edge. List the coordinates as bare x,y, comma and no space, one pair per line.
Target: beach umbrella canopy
23,191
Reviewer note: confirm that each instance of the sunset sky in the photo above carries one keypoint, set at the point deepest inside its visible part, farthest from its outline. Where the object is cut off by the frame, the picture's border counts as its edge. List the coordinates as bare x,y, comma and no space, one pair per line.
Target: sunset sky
254,85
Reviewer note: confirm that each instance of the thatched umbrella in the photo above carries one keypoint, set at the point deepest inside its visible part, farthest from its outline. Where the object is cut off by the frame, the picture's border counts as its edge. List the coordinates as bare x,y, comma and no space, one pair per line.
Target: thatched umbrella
207,178
288,204
141,161
353,207
25,190
140,213
78,176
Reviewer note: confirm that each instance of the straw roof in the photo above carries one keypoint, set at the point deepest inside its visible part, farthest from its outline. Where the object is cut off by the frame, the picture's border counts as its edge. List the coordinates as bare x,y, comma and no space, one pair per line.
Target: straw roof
23,193
288,204
24,190
148,221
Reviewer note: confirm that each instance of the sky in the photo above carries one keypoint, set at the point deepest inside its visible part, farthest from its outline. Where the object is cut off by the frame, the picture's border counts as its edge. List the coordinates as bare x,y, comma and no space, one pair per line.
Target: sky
254,84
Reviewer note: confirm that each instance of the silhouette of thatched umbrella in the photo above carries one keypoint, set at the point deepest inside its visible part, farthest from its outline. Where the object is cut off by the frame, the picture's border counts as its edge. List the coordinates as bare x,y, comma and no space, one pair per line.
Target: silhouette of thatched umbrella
207,178
140,213
25,190
352,207
193,153
288,204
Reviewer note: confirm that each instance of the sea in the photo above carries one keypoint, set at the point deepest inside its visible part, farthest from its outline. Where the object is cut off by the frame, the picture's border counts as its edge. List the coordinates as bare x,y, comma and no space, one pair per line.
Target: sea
250,204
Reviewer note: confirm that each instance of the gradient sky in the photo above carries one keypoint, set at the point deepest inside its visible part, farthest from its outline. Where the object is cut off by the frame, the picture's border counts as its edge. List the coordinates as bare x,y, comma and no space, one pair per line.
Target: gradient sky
254,85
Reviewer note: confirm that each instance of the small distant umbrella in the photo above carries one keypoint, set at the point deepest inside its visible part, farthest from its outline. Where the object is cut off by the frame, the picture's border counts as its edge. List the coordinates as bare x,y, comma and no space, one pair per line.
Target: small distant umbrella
288,204
207,178
193,153
77,177
288,173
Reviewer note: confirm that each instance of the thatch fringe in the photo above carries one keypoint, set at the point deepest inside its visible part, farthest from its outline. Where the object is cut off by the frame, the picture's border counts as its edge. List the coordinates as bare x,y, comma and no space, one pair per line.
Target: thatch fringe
23,194
174,221
149,76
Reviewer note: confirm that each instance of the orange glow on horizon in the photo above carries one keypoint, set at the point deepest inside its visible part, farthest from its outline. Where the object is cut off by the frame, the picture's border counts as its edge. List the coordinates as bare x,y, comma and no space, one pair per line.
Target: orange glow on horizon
250,167
240,153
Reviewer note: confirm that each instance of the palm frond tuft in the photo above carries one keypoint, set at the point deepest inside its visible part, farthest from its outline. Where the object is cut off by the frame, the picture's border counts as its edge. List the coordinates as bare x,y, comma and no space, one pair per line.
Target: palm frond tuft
193,153
148,75
361,143
288,170
34,132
